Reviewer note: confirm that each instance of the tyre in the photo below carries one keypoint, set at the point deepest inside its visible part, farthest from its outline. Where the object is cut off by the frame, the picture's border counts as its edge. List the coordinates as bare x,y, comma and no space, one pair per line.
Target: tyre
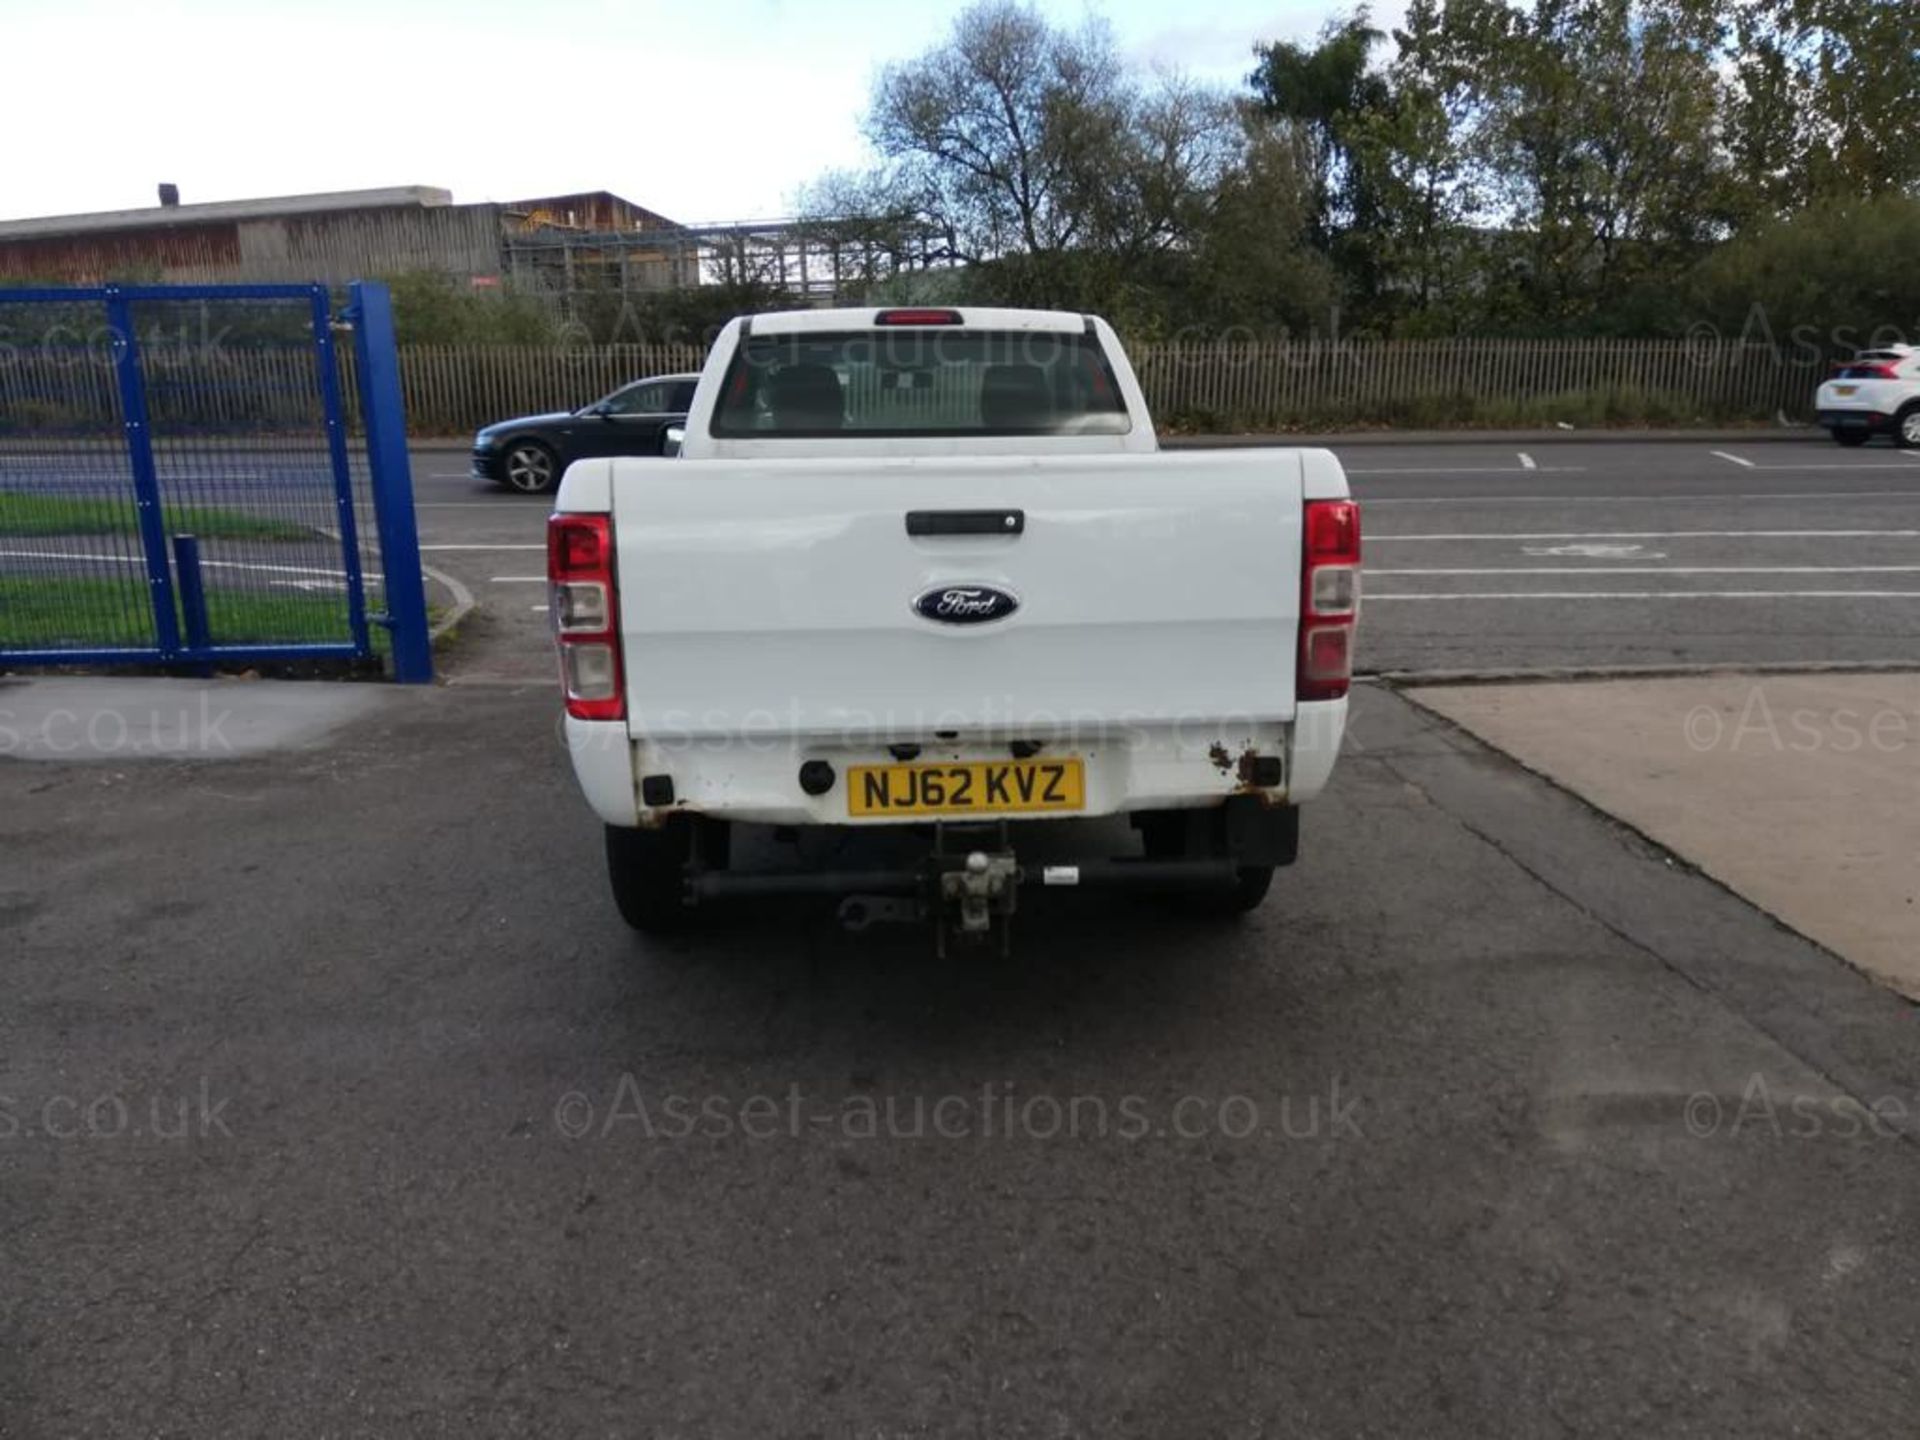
648,872
1906,428
1245,894
1852,439
1164,838
530,467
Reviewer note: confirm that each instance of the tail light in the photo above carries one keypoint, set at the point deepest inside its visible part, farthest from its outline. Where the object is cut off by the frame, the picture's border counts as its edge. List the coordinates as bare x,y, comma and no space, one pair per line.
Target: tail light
1329,598
585,611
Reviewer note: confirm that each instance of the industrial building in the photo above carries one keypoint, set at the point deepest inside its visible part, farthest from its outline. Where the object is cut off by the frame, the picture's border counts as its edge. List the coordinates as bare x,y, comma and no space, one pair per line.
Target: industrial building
554,244
557,246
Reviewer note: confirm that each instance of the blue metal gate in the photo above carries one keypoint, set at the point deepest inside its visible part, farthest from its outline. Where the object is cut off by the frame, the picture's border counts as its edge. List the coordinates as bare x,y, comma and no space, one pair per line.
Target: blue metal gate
187,477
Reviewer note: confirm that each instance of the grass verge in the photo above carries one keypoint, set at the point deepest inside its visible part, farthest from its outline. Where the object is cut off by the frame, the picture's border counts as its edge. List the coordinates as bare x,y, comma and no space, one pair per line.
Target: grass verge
41,515
45,613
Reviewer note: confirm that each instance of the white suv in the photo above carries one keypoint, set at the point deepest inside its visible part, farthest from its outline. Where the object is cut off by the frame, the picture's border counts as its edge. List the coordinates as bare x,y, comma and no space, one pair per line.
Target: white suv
1875,393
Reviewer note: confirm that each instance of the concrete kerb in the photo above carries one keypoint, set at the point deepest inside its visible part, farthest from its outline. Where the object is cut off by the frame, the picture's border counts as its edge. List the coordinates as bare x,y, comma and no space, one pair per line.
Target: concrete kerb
463,604
1563,674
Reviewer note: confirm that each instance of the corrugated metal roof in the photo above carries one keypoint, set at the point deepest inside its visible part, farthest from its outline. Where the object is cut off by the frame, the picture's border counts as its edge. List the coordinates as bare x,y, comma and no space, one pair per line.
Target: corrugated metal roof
103,222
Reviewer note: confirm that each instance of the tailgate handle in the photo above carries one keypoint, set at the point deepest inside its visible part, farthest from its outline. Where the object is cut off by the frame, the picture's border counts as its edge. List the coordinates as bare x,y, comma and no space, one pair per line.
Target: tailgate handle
966,522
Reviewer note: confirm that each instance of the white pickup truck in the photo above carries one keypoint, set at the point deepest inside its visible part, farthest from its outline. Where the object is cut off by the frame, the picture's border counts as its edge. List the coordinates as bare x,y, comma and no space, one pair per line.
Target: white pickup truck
927,571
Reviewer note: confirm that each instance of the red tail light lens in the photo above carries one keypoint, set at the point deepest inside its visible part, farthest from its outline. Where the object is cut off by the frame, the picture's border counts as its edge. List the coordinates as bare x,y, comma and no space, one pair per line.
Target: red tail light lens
584,608
1329,598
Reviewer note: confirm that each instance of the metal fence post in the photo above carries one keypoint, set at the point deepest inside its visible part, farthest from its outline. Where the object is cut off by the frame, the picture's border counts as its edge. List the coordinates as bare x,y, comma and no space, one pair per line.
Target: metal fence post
138,435
377,372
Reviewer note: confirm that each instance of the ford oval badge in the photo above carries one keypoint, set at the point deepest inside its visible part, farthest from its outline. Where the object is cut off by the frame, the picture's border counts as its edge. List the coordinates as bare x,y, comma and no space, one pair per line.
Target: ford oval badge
964,604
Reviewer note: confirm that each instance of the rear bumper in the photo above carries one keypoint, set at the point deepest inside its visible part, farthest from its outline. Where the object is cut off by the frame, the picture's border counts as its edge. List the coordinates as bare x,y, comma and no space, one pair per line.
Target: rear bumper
1141,768
1873,422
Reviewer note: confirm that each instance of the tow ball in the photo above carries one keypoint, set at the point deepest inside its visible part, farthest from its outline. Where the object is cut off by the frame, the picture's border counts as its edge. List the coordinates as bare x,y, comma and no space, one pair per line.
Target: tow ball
974,886
984,887
970,893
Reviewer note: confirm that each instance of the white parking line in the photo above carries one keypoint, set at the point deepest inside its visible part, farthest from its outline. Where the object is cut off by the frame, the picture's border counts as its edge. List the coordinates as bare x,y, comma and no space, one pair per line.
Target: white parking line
141,560
1693,498
516,579
1475,470
1833,465
1735,459
1659,595
1672,570
1652,535
538,609
1526,461
483,547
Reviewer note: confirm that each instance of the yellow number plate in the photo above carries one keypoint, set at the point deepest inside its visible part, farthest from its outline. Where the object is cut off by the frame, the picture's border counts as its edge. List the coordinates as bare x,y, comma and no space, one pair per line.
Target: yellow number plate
1845,390
972,787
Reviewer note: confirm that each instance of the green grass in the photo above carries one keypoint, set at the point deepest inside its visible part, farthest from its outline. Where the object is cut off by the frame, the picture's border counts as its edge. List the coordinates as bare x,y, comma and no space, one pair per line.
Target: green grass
42,515
52,613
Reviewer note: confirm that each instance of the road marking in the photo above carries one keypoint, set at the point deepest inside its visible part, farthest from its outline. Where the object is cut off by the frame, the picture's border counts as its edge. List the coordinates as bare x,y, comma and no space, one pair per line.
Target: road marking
1526,461
1660,595
516,579
483,547
1657,535
1590,551
141,560
462,505
1691,498
1475,470
1723,455
538,609
1672,570
1834,465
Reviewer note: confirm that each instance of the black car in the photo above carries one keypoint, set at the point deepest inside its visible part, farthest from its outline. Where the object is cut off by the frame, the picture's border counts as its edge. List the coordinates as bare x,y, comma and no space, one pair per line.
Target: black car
530,454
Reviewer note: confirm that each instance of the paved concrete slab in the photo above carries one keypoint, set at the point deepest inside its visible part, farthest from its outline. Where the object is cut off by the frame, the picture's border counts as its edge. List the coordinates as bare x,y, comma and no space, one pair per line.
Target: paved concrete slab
127,718
1801,792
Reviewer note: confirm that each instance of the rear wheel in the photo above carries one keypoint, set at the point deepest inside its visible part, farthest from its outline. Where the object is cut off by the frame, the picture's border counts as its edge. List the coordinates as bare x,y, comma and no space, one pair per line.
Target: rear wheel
1906,428
1164,836
1850,438
530,467
648,872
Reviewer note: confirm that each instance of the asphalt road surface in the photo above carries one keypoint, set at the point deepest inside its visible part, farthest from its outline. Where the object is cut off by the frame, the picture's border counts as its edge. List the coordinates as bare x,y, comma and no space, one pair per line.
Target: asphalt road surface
335,1101
1594,554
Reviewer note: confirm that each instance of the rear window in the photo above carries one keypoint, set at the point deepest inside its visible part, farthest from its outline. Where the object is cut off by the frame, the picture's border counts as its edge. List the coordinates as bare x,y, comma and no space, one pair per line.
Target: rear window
909,381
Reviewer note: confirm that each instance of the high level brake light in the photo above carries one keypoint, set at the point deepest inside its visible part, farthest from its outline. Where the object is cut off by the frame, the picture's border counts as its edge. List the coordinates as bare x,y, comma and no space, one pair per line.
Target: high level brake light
918,317
583,607
1329,598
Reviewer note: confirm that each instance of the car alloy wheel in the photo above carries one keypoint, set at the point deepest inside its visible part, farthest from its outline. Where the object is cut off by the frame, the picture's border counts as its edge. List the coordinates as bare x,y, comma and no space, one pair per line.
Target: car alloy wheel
1910,428
529,469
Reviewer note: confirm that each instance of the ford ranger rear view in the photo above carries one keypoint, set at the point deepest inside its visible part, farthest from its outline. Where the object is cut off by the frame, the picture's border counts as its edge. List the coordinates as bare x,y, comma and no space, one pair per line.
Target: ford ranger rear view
927,572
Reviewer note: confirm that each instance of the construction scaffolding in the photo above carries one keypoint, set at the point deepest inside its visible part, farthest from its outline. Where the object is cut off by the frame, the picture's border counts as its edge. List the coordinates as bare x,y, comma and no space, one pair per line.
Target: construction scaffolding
823,260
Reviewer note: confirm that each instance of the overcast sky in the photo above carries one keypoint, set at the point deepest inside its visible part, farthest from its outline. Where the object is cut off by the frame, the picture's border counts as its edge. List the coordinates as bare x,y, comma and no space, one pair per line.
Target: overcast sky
699,109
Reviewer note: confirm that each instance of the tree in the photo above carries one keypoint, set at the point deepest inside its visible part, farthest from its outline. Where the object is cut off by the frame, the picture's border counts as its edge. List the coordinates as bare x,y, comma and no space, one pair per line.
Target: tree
1324,94
1056,174
997,131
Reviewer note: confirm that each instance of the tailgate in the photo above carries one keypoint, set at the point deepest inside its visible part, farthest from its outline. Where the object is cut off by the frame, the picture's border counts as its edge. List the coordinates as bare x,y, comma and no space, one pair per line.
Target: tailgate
788,596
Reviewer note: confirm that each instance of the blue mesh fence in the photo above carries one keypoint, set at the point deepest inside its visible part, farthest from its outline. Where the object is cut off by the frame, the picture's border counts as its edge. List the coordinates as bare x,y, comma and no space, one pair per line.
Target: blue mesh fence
180,479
